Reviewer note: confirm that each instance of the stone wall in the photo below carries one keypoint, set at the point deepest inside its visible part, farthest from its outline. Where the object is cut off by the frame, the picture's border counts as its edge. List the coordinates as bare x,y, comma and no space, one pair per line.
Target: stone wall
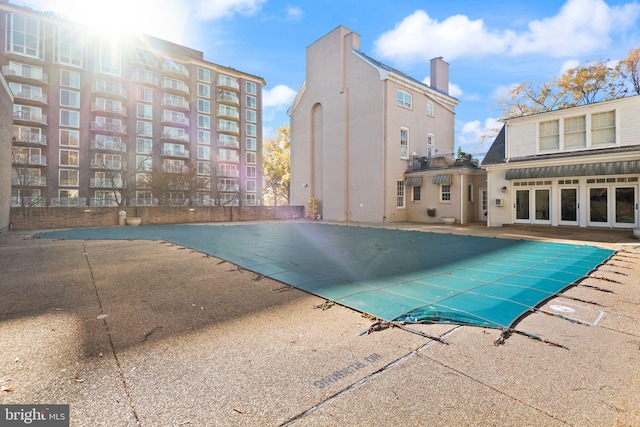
36,218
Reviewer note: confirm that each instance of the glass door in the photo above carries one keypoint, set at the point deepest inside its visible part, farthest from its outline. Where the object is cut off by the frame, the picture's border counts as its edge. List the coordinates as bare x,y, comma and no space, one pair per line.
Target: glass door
522,206
542,206
625,207
569,206
599,206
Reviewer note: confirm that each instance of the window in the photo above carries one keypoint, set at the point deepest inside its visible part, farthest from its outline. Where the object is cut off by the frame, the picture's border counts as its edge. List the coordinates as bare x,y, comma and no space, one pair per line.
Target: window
175,150
251,102
549,135
251,116
204,168
250,143
108,142
252,186
69,157
251,199
430,111
68,177
70,79
416,193
404,99
204,90
143,145
251,157
204,152
204,136
470,193
145,75
251,129
225,110
251,172
144,128
69,138
404,143
228,155
28,134
33,93
143,163
445,192
108,161
70,118
174,117
227,81
603,128
175,133
25,36
227,126
400,193
252,88
430,141
204,106
575,132
204,75
204,121
175,84
177,101
69,47
69,98
145,94
145,57
144,111
109,59
25,112
173,166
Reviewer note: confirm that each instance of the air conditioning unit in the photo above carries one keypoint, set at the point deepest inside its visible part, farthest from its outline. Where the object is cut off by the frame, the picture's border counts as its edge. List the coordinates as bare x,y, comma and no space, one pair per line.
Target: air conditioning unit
498,202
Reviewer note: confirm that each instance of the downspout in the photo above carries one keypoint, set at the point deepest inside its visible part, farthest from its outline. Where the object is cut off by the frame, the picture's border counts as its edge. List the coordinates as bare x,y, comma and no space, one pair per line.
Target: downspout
384,150
461,197
345,125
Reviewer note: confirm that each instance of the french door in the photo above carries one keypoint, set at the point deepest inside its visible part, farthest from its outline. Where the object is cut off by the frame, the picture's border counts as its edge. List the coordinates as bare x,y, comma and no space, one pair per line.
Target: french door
613,206
569,206
533,206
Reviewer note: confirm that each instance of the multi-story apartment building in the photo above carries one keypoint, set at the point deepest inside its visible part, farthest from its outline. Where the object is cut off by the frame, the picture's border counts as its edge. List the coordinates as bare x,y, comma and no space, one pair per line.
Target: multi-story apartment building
139,121
359,127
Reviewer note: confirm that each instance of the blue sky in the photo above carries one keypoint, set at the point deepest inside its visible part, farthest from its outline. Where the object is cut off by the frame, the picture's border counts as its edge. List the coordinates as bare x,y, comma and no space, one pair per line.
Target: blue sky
490,45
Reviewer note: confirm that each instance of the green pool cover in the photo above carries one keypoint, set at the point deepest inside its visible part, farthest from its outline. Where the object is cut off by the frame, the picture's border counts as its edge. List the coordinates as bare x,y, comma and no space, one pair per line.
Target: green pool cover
394,275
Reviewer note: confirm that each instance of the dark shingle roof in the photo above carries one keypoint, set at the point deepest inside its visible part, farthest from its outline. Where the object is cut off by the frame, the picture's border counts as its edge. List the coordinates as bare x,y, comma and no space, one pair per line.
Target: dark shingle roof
496,152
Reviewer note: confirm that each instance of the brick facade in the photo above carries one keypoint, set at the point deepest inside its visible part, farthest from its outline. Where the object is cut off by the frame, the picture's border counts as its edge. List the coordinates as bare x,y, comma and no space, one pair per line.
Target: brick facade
73,217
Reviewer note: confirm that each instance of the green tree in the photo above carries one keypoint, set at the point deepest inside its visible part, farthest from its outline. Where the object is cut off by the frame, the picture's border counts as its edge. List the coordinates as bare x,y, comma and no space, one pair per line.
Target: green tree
275,157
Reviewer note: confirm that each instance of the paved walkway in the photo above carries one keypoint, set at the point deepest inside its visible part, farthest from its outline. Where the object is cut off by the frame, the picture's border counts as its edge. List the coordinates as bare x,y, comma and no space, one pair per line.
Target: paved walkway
150,333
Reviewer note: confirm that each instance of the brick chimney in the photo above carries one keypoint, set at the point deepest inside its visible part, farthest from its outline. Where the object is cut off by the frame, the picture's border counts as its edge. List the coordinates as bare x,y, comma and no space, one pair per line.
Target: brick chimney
439,75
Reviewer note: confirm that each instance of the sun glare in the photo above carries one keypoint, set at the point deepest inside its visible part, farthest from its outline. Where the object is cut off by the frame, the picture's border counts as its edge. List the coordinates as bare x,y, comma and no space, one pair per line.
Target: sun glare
117,18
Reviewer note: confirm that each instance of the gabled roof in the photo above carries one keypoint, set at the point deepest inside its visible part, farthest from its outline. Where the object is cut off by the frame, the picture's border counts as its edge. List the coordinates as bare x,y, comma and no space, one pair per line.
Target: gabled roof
496,153
385,71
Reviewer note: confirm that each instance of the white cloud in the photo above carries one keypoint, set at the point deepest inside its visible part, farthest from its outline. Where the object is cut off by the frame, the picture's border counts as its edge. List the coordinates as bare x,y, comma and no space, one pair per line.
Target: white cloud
279,96
294,13
475,136
580,27
455,90
214,9
419,37
567,65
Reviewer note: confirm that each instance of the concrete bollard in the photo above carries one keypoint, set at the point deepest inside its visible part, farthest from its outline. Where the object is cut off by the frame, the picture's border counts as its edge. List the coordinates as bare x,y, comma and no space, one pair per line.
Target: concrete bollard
122,217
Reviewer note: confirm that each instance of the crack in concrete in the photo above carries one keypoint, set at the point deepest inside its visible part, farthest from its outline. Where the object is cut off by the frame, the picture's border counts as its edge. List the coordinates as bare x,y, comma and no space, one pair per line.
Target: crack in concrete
113,348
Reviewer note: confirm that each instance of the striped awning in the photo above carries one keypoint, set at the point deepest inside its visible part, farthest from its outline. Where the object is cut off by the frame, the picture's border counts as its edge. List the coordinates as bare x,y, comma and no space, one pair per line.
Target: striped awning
442,179
413,181
589,169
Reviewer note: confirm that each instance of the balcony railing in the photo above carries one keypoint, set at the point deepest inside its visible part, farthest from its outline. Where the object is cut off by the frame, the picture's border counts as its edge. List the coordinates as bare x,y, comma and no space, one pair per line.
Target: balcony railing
229,128
68,201
105,183
182,121
38,76
229,187
29,159
175,136
116,109
176,103
29,181
179,86
231,98
175,153
30,117
37,201
109,127
225,172
31,138
106,164
111,145
172,67
42,98
229,158
100,202
227,113
229,143
110,89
